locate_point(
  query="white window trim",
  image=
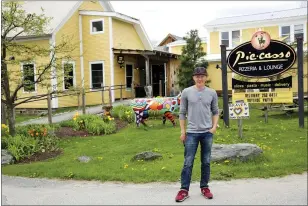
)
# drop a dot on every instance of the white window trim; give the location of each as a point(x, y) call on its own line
point(230, 33)
point(133, 67)
point(98, 32)
point(291, 31)
point(22, 72)
point(292, 39)
point(221, 39)
point(74, 73)
point(230, 37)
point(90, 70)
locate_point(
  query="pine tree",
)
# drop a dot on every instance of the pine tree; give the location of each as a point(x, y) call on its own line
point(190, 58)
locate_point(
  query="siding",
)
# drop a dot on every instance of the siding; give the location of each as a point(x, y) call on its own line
point(125, 36)
point(16, 75)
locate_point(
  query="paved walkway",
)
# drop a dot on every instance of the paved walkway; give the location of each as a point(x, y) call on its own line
point(289, 190)
point(69, 115)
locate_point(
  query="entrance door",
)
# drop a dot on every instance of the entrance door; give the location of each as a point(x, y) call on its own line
point(158, 73)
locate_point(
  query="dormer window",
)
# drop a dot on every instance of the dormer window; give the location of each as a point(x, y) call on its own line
point(97, 26)
point(230, 38)
point(285, 32)
point(298, 31)
point(225, 38)
point(292, 32)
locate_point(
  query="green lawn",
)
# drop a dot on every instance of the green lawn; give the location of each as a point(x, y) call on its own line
point(284, 145)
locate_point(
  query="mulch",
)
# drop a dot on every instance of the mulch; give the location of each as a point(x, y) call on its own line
point(120, 124)
point(40, 156)
point(65, 132)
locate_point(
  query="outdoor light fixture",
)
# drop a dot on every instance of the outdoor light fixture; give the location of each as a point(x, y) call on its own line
point(120, 61)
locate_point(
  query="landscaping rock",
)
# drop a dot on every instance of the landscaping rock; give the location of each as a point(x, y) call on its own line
point(147, 156)
point(85, 159)
point(6, 157)
point(242, 151)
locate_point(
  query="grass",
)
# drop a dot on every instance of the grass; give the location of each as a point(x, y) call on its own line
point(24, 117)
point(283, 142)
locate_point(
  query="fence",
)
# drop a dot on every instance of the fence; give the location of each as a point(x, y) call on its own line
point(79, 96)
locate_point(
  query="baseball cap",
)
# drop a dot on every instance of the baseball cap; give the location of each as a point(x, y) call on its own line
point(199, 71)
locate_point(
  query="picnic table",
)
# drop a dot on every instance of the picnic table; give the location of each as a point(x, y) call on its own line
point(288, 108)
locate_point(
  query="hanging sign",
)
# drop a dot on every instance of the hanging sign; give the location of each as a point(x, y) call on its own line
point(281, 83)
point(261, 57)
point(264, 97)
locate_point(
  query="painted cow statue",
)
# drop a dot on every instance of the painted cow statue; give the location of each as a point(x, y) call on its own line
point(166, 105)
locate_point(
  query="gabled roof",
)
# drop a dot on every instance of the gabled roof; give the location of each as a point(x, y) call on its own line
point(61, 11)
point(57, 10)
point(297, 12)
point(172, 36)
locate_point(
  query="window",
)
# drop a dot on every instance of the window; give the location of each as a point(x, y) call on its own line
point(291, 32)
point(96, 73)
point(129, 75)
point(97, 26)
point(225, 38)
point(286, 31)
point(236, 38)
point(69, 72)
point(29, 77)
point(298, 31)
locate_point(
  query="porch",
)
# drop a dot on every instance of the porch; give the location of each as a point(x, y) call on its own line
point(139, 68)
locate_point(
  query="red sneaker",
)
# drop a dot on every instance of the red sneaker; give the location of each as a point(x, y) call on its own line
point(206, 193)
point(181, 196)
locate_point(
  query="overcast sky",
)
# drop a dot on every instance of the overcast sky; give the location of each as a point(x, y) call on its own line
point(177, 17)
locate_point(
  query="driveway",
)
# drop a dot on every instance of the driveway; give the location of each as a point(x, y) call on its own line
point(289, 190)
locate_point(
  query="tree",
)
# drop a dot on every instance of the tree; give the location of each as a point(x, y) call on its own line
point(190, 58)
point(17, 23)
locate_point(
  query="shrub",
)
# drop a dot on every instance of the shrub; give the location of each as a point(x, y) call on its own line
point(43, 134)
point(94, 124)
point(67, 123)
point(4, 135)
point(21, 146)
point(36, 130)
point(124, 113)
point(4, 130)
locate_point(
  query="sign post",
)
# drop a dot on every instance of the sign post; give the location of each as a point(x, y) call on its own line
point(239, 111)
point(224, 84)
point(300, 81)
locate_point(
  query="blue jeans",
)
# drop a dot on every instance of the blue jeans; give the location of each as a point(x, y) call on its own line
point(191, 146)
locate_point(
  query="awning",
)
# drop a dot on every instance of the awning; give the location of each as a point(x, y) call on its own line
point(145, 52)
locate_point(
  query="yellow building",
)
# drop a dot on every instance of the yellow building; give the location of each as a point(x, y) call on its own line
point(232, 31)
point(101, 35)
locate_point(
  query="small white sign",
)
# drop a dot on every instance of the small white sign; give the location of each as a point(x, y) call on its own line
point(239, 110)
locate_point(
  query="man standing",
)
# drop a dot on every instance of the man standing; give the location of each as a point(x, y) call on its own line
point(200, 103)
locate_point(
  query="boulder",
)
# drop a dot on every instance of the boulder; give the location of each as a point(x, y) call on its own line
point(6, 157)
point(243, 151)
point(84, 159)
point(147, 156)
